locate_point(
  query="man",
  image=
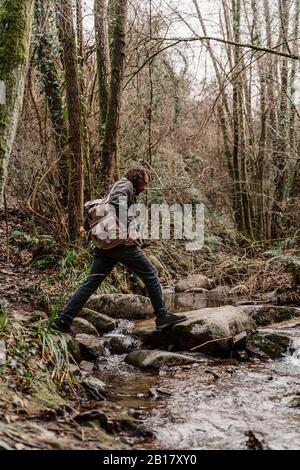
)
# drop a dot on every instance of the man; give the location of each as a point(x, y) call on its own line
point(129, 253)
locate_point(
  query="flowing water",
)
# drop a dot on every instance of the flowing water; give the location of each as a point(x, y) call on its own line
point(217, 404)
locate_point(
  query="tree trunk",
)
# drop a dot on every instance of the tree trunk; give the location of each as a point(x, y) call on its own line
point(280, 157)
point(83, 100)
point(109, 159)
point(68, 41)
point(103, 58)
point(15, 34)
point(45, 63)
point(294, 156)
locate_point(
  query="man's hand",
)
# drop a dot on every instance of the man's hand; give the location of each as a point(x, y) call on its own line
point(130, 241)
point(82, 232)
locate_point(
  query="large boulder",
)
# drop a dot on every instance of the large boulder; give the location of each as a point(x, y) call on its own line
point(80, 325)
point(214, 328)
point(155, 359)
point(91, 347)
point(193, 281)
point(103, 323)
point(128, 306)
point(267, 314)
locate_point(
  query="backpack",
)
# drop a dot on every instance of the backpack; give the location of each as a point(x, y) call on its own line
point(105, 230)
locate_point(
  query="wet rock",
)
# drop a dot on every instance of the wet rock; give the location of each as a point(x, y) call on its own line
point(2, 352)
point(294, 402)
point(253, 443)
point(193, 281)
point(95, 415)
point(114, 419)
point(74, 349)
point(155, 359)
point(269, 345)
point(94, 387)
point(103, 323)
point(158, 393)
point(215, 327)
point(267, 314)
point(90, 346)
point(86, 366)
point(75, 371)
point(80, 325)
point(128, 306)
point(122, 344)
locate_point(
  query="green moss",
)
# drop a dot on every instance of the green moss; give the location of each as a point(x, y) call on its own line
point(15, 31)
point(45, 392)
point(15, 22)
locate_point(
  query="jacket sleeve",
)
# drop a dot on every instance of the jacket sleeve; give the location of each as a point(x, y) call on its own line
point(121, 199)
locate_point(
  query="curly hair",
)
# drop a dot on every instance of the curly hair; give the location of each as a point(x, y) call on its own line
point(136, 174)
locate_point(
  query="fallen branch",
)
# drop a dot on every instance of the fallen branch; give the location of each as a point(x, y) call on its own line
point(212, 341)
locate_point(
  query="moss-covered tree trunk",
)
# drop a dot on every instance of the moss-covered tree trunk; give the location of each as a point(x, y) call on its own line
point(45, 62)
point(109, 158)
point(68, 41)
point(15, 34)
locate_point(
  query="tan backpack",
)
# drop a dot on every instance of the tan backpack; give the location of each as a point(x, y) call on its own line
point(105, 230)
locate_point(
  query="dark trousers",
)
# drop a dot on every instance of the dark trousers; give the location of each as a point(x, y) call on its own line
point(103, 262)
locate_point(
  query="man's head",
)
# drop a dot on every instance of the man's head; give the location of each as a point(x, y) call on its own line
point(139, 176)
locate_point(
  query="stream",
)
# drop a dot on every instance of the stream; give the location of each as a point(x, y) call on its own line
point(215, 404)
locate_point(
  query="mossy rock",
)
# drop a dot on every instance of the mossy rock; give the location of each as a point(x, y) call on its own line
point(39, 315)
point(212, 327)
point(127, 306)
point(91, 347)
point(266, 314)
point(122, 344)
point(155, 359)
point(80, 325)
point(103, 323)
point(192, 281)
point(270, 345)
point(46, 393)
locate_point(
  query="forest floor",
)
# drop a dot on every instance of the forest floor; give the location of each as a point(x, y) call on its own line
point(42, 405)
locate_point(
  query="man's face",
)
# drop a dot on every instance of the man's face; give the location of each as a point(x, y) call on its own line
point(143, 184)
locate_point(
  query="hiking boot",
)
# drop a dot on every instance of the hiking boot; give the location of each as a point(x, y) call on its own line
point(63, 327)
point(168, 319)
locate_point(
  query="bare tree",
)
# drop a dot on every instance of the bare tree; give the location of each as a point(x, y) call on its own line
point(68, 41)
